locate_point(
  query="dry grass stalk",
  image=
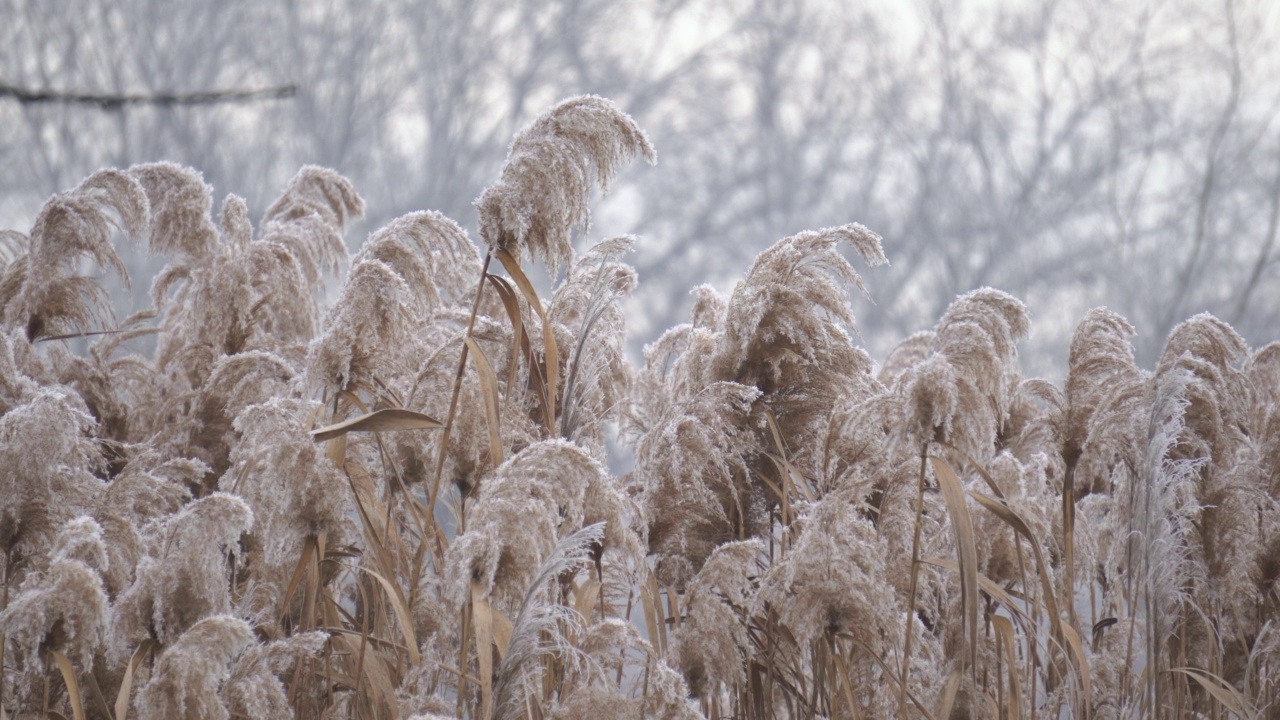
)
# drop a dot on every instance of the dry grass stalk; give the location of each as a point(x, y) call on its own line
point(263, 517)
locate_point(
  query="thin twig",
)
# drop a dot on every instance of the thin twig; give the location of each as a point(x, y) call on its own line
point(115, 101)
point(911, 593)
point(457, 388)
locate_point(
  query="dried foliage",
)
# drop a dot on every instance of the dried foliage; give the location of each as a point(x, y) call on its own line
point(545, 189)
point(40, 290)
point(396, 502)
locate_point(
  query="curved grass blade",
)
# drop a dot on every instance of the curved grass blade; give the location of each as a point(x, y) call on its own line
point(73, 687)
point(385, 419)
point(1222, 691)
point(550, 347)
point(953, 496)
point(489, 388)
point(518, 337)
point(126, 685)
point(402, 614)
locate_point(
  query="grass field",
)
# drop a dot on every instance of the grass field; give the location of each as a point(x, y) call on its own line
point(396, 502)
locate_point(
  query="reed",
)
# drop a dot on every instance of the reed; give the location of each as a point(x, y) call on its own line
point(395, 502)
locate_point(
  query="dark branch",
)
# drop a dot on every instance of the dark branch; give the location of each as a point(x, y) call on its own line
point(112, 101)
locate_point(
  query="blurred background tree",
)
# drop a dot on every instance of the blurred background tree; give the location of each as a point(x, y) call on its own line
point(1072, 152)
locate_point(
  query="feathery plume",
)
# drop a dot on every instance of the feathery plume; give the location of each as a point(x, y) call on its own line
point(1211, 351)
point(49, 457)
point(711, 643)
point(260, 294)
point(832, 579)
point(523, 510)
point(467, 456)
point(320, 192)
point(784, 321)
point(367, 333)
point(1100, 359)
point(62, 609)
point(190, 674)
point(294, 491)
point(1230, 489)
point(931, 400)
point(15, 386)
point(1025, 489)
point(12, 245)
point(709, 308)
point(858, 454)
point(183, 578)
point(978, 335)
point(656, 690)
point(152, 486)
point(1263, 371)
point(149, 488)
point(248, 295)
point(431, 252)
point(542, 628)
point(691, 467)
point(253, 688)
point(904, 356)
point(1163, 520)
point(544, 191)
point(181, 204)
point(676, 368)
point(597, 376)
point(1037, 422)
point(308, 220)
point(200, 426)
point(39, 291)
point(787, 333)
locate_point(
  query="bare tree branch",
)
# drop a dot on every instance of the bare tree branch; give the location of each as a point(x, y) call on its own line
point(113, 101)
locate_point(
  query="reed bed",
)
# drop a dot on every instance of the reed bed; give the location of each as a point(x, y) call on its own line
point(395, 502)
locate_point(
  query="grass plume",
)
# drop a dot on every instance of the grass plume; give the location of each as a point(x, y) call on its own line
point(378, 485)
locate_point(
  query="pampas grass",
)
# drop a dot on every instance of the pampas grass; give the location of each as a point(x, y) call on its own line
point(376, 486)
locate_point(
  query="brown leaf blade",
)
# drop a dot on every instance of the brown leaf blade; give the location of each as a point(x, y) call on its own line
point(1004, 630)
point(511, 304)
point(1223, 691)
point(378, 420)
point(550, 347)
point(403, 616)
point(126, 685)
point(953, 496)
point(482, 618)
point(1015, 521)
point(1072, 639)
point(948, 699)
point(489, 388)
point(73, 687)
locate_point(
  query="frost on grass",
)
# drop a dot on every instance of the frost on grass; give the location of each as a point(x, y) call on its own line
point(169, 517)
point(691, 466)
point(191, 673)
point(366, 330)
point(61, 609)
point(181, 204)
point(544, 191)
point(711, 643)
point(39, 290)
point(524, 510)
point(182, 577)
point(295, 494)
point(249, 293)
point(49, 459)
point(597, 374)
